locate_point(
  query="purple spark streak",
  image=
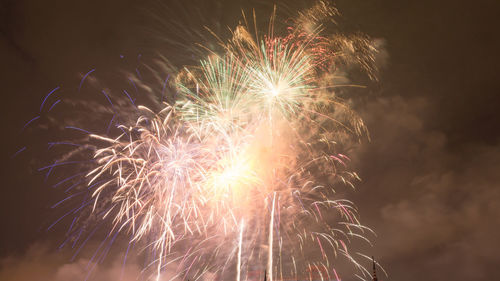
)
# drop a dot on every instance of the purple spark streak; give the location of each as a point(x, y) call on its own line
point(29, 122)
point(126, 93)
point(67, 179)
point(73, 186)
point(77, 238)
point(107, 97)
point(108, 247)
point(69, 197)
point(52, 144)
point(83, 79)
point(110, 123)
point(138, 73)
point(85, 242)
point(47, 96)
point(71, 226)
point(59, 219)
point(78, 129)
point(164, 86)
point(125, 260)
point(19, 151)
point(54, 104)
point(56, 164)
point(133, 83)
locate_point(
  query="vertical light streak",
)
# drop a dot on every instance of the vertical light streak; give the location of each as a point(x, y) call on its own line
point(270, 253)
point(240, 244)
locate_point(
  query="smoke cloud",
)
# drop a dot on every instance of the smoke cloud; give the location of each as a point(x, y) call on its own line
point(433, 205)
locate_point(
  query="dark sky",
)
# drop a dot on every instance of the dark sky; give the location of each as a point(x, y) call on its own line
point(430, 174)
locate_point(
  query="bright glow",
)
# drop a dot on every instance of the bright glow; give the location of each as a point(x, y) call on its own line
point(275, 91)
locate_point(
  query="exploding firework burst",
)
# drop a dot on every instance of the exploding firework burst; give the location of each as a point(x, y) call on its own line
point(239, 173)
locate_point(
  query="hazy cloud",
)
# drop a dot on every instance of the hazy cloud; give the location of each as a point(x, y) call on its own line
point(42, 262)
point(435, 208)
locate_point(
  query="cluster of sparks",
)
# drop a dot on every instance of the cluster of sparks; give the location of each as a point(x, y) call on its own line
point(239, 173)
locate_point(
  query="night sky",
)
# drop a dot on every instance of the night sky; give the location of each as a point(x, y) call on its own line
point(430, 174)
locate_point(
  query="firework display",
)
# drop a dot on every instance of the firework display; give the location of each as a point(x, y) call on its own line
point(239, 172)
